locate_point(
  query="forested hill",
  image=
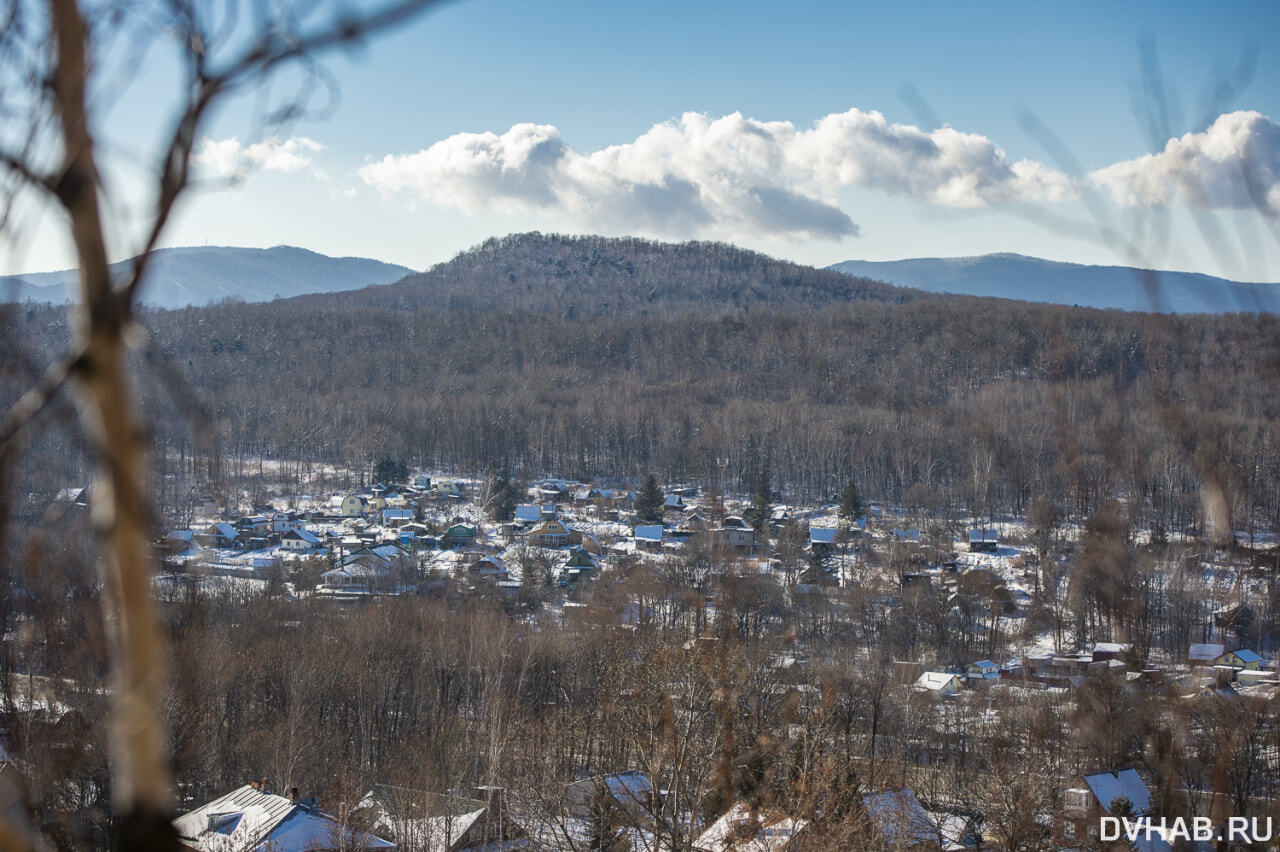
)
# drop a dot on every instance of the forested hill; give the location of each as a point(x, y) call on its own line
point(598, 276)
point(199, 275)
point(1033, 279)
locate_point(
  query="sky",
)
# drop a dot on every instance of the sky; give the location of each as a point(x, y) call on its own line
point(1135, 133)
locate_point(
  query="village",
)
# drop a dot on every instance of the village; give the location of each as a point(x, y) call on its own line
point(544, 549)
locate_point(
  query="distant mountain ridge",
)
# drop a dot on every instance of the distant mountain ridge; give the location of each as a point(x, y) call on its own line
point(1033, 279)
point(615, 276)
point(179, 277)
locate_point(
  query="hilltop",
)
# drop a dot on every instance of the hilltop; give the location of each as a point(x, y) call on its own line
point(180, 277)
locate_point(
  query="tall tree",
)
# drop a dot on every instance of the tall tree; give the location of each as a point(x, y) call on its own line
point(650, 501)
point(760, 511)
point(851, 505)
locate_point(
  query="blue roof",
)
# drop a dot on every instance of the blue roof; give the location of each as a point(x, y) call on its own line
point(528, 512)
point(822, 535)
point(649, 533)
point(1247, 656)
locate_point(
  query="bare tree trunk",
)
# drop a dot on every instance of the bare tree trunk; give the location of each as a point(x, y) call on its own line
point(141, 782)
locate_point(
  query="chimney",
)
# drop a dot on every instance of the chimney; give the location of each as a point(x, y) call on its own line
point(293, 794)
point(263, 786)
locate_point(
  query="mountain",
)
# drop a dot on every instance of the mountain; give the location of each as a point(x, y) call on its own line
point(197, 276)
point(1015, 276)
point(606, 276)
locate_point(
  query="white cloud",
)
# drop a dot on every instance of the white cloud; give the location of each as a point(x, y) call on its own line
point(726, 177)
point(1235, 163)
point(230, 159)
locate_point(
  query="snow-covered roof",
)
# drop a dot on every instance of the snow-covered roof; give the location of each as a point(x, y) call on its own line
point(528, 512)
point(740, 830)
point(984, 535)
point(822, 535)
point(1126, 783)
point(246, 819)
point(650, 532)
point(935, 681)
point(900, 818)
point(305, 535)
point(1206, 652)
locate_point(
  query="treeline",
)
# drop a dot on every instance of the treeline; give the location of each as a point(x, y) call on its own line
point(944, 403)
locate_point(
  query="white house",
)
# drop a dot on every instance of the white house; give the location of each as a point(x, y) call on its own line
point(249, 818)
point(746, 829)
point(939, 683)
point(299, 540)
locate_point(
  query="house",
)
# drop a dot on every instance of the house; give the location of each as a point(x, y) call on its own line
point(579, 564)
point(439, 822)
point(528, 513)
point(1256, 677)
point(282, 522)
point(734, 536)
point(941, 684)
point(487, 568)
point(353, 505)
point(910, 536)
point(983, 541)
point(1205, 654)
point(673, 503)
point(366, 569)
point(1120, 793)
point(250, 818)
point(1239, 659)
point(422, 482)
point(746, 829)
point(550, 534)
point(900, 821)
point(178, 541)
point(631, 794)
point(649, 537)
point(1103, 651)
point(458, 535)
point(219, 535)
point(299, 540)
point(982, 670)
point(822, 540)
point(447, 488)
point(396, 517)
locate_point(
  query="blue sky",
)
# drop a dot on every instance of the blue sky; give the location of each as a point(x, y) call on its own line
point(814, 135)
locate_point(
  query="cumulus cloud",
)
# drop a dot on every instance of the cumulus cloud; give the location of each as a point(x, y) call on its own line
point(1235, 163)
point(230, 159)
point(724, 177)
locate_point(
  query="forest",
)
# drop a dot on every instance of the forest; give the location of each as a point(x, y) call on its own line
point(1149, 438)
point(933, 402)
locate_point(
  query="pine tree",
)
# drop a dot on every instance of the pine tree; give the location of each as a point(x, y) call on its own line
point(760, 511)
point(851, 505)
point(650, 502)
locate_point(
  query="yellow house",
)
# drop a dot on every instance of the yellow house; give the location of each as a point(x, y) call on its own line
point(550, 534)
point(352, 505)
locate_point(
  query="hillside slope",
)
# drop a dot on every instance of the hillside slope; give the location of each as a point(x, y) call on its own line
point(1015, 276)
point(598, 276)
point(200, 275)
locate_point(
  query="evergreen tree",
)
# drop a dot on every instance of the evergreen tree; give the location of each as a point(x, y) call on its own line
point(503, 498)
point(390, 471)
point(851, 505)
point(760, 511)
point(650, 502)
